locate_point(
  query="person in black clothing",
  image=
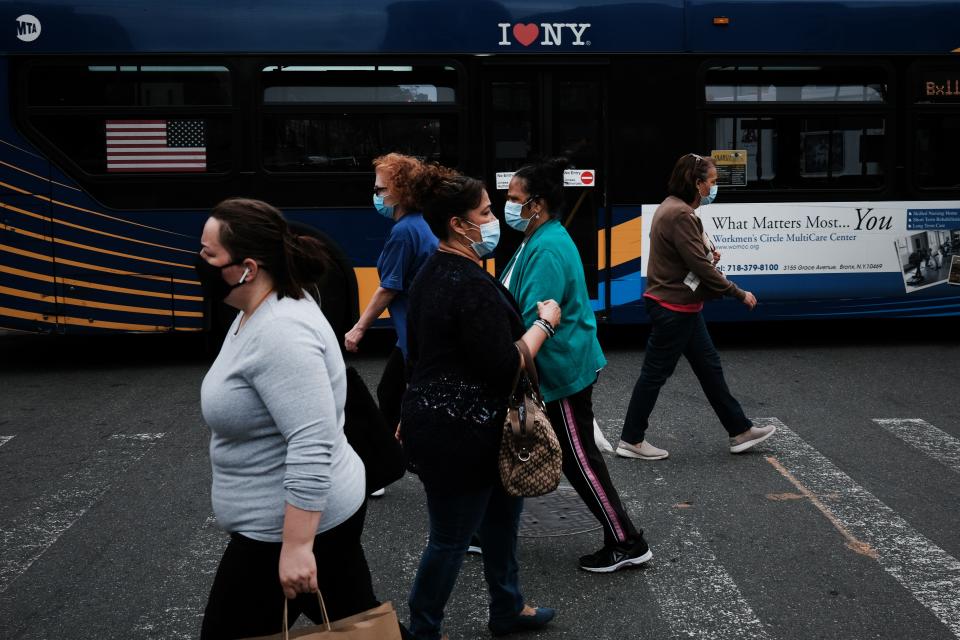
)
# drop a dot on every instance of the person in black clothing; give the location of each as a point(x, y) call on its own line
point(461, 327)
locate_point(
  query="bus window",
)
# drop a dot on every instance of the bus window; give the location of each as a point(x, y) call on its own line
point(937, 142)
point(350, 143)
point(792, 152)
point(936, 127)
point(337, 118)
point(326, 84)
point(132, 85)
point(758, 136)
point(115, 117)
point(806, 84)
point(839, 141)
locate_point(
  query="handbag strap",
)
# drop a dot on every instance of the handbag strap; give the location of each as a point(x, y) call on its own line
point(323, 610)
point(528, 363)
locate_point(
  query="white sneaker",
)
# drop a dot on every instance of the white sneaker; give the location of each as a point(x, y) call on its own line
point(642, 451)
point(602, 443)
point(379, 493)
point(750, 437)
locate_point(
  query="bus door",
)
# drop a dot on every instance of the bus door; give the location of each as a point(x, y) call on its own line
point(27, 291)
point(546, 111)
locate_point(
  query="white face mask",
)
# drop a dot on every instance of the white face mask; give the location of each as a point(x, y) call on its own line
point(512, 213)
point(489, 237)
point(710, 197)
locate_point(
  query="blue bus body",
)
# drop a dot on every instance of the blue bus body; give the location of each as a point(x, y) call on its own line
point(84, 248)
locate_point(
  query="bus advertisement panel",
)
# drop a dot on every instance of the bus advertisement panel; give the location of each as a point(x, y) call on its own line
point(852, 250)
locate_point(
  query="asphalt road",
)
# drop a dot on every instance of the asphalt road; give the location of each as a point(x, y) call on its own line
point(844, 525)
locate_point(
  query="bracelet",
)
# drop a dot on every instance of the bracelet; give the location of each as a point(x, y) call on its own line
point(545, 326)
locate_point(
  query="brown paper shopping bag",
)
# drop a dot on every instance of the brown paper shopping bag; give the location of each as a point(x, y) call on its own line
point(379, 623)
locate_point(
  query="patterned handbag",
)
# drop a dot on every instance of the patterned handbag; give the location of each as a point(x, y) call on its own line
point(530, 455)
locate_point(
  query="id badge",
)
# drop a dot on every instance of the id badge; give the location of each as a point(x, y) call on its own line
point(692, 281)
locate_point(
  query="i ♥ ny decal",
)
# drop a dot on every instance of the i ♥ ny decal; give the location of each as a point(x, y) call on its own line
point(545, 34)
point(526, 33)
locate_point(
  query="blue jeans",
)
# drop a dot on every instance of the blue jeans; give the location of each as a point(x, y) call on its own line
point(453, 520)
point(675, 334)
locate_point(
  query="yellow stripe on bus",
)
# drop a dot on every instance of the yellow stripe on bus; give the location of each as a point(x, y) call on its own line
point(96, 213)
point(94, 285)
point(602, 249)
point(93, 267)
point(625, 241)
point(86, 247)
point(82, 322)
point(33, 214)
point(39, 177)
point(32, 295)
point(368, 281)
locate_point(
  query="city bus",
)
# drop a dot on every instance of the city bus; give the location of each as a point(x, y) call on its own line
point(835, 127)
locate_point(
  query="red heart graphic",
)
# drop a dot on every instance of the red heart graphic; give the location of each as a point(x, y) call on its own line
point(526, 33)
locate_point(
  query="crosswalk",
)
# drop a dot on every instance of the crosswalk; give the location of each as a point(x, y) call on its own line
point(696, 594)
point(922, 435)
point(925, 570)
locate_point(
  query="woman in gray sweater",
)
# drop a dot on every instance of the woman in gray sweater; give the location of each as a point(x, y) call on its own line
point(286, 484)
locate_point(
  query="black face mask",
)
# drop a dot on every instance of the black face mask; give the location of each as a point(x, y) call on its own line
point(212, 282)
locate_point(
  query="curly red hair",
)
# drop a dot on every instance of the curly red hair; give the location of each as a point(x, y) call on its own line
point(401, 173)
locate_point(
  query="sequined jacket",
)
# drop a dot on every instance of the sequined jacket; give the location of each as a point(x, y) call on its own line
point(461, 326)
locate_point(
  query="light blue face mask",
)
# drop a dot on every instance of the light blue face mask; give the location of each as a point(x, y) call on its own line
point(386, 210)
point(710, 197)
point(489, 237)
point(512, 214)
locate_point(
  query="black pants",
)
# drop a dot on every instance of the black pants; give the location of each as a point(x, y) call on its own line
point(246, 599)
point(393, 384)
point(676, 334)
point(584, 468)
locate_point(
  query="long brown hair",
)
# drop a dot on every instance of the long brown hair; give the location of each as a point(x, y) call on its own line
point(257, 230)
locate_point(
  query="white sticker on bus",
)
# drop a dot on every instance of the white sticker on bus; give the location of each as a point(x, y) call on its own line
point(579, 178)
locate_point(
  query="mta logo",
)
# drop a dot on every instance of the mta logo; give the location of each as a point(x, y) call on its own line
point(28, 28)
point(554, 33)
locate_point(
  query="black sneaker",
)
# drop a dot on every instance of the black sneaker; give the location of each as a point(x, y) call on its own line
point(609, 559)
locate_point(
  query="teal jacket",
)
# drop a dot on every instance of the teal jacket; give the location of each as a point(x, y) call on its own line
point(548, 266)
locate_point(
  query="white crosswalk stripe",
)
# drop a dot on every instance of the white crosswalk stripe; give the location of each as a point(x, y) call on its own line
point(922, 435)
point(697, 596)
point(5, 439)
point(928, 572)
point(48, 517)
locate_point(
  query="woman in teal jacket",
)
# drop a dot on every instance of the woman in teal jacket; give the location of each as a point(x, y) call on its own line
point(547, 266)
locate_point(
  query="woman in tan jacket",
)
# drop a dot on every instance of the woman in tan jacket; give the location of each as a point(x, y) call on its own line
point(681, 275)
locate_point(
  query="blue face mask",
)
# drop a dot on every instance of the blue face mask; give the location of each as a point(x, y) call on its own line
point(489, 237)
point(386, 210)
point(512, 214)
point(710, 197)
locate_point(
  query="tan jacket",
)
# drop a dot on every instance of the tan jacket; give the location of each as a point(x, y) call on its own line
point(680, 268)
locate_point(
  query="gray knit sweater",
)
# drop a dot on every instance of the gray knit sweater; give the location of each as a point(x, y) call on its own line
point(274, 402)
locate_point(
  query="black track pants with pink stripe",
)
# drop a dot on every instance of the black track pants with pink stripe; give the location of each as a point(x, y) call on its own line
point(584, 468)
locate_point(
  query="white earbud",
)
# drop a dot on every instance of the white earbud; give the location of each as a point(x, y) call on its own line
point(243, 278)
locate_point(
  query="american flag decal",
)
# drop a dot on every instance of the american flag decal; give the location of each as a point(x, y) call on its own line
point(156, 145)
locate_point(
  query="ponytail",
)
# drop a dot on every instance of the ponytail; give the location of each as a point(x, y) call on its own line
point(256, 230)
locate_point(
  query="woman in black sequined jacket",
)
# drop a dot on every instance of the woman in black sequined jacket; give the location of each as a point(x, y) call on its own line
point(461, 328)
